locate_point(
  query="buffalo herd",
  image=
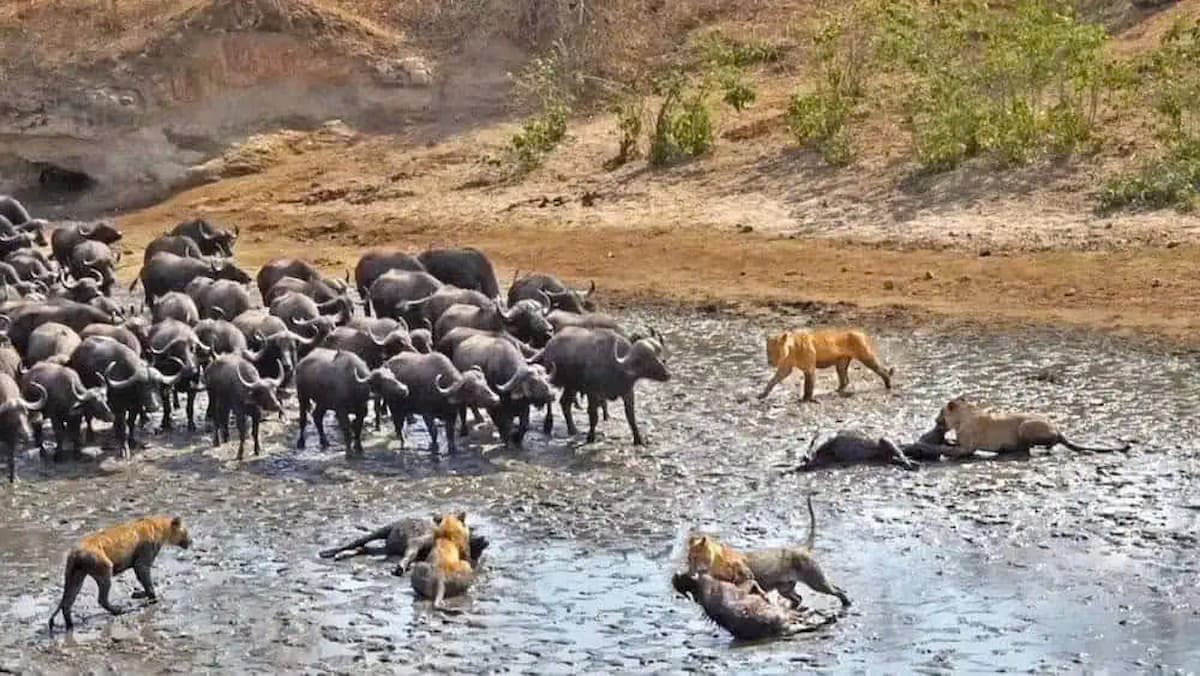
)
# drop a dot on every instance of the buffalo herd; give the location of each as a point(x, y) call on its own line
point(416, 338)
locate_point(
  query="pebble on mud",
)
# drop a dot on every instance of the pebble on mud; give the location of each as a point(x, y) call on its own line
point(889, 285)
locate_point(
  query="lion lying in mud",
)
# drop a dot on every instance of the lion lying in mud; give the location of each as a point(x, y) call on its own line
point(977, 429)
point(808, 351)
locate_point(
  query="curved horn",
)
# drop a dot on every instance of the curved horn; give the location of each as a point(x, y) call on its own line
point(86, 229)
point(34, 405)
point(171, 343)
point(446, 391)
point(95, 274)
point(512, 382)
point(274, 383)
point(7, 321)
point(69, 286)
point(237, 231)
point(78, 394)
point(245, 382)
point(379, 342)
point(591, 289)
point(360, 380)
point(306, 342)
point(118, 384)
point(617, 353)
point(8, 239)
point(164, 379)
point(216, 312)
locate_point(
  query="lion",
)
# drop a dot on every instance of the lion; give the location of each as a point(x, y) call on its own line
point(809, 351)
point(722, 562)
point(977, 429)
point(448, 571)
point(114, 550)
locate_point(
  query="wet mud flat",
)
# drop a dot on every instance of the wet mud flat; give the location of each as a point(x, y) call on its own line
point(1060, 563)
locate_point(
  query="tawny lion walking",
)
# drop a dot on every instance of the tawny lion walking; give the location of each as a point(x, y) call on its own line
point(809, 351)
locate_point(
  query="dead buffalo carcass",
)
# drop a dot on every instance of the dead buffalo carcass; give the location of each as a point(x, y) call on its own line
point(338, 381)
point(602, 365)
point(235, 387)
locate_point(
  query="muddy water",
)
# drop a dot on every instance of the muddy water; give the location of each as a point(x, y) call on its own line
point(1058, 563)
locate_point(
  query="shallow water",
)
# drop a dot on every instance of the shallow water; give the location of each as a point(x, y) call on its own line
point(1059, 563)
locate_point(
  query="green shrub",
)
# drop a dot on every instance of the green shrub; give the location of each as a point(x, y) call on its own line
point(738, 92)
point(541, 85)
point(720, 50)
point(1170, 81)
point(683, 126)
point(1170, 182)
point(1014, 82)
point(821, 119)
point(630, 112)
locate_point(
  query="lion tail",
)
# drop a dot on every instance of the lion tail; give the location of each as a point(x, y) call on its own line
point(1093, 449)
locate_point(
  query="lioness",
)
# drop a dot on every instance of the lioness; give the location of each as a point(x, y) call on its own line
point(809, 351)
point(448, 571)
point(977, 429)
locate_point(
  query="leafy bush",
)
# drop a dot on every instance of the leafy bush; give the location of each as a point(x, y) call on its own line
point(683, 126)
point(1014, 82)
point(722, 51)
point(1171, 81)
point(739, 93)
point(821, 119)
point(542, 85)
point(630, 113)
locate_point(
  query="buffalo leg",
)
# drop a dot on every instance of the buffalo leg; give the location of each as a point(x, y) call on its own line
point(74, 426)
point(36, 428)
point(239, 418)
point(191, 409)
point(462, 415)
point(343, 419)
point(567, 401)
point(448, 423)
point(632, 418)
point(522, 424)
point(255, 419)
point(593, 409)
point(604, 410)
point(548, 421)
point(319, 423)
point(431, 427)
point(12, 463)
point(168, 407)
point(359, 420)
point(304, 404)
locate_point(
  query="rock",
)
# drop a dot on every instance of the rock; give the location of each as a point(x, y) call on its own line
point(411, 71)
point(985, 253)
point(1070, 292)
point(929, 275)
point(745, 229)
point(889, 285)
point(1156, 283)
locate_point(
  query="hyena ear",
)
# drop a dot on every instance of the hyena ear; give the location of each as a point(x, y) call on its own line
point(176, 523)
point(462, 516)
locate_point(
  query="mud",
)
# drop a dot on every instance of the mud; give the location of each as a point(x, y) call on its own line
point(1061, 562)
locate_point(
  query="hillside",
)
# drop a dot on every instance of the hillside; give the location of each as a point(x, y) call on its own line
point(423, 159)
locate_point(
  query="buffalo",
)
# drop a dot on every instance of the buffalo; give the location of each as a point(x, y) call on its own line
point(526, 320)
point(67, 403)
point(168, 272)
point(179, 245)
point(235, 386)
point(373, 264)
point(211, 240)
point(519, 384)
point(64, 239)
point(219, 298)
point(436, 391)
point(340, 381)
point(391, 292)
point(51, 342)
point(466, 268)
point(133, 386)
point(550, 291)
point(176, 305)
point(602, 365)
point(14, 420)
